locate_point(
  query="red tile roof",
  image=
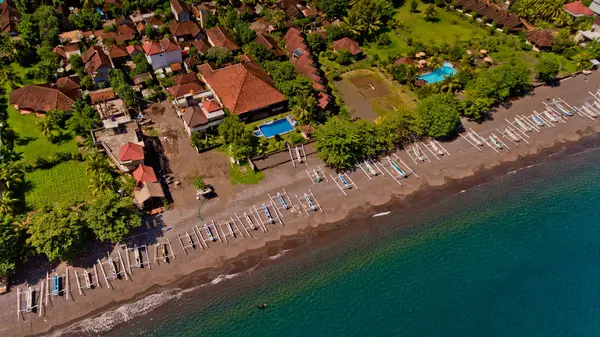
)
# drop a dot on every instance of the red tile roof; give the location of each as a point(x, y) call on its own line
point(185, 78)
point(102, 95)
point(269, 43)
point(347, 44)
point(194, 116)
point(184, 28)
point(323, 100)
point(68, 83)
point(202, 46)
point(63, 50)
point(144, 173)
point(175, 67)
point(179, 6)
point(134, 48)
point(218, 36)
point(153, 48)
point(211, 106)
point(9, 17)
point(179, 90)
point(577, 8)
point(131, 151)
point(115, 51)
point(40, 98)
point(242, 87)
point(94, 59)
point(541, 38)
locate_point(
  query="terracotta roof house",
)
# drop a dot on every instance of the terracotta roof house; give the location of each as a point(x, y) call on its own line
point(162, 53)
point(144, 173)
point(491, 11)
point(141, 78)
point(69, 86)
point(269, 43)
point(40, 99)
point(9, 17)
point(347, 44)
point(202, 46)
point(203, 117)
point(66, 51)
point(245, 89)
point(118, 54)
point(291, 8)
point(131, 152)
point(218, 36)
point(73, 36)
point(149, 194)
point(185, 84)
point(185, 31)
point(191, 63)
point(180, 10)
point(540, 39)
point(101, 95)
point(132, 50)
point(97, 64)
point(578, 9)
point(323, 101)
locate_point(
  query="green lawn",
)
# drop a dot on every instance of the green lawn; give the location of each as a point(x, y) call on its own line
point(65, 182)
point(30, 142)
point(450, 28)
point(244, 174)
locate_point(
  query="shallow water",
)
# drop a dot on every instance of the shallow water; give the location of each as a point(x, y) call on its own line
point(519, 256)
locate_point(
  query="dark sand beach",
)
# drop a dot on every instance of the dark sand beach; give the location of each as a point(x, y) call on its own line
point(464, 168)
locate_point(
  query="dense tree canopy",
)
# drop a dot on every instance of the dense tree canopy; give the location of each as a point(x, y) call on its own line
point(57, 232)
point(219, 55)
point(118, 82)
point(87, 18)
point(499, 83)
point(112, 217)
point(438, 115)
point(333, 9)
point(10, 243)
point(341, 143)
point(547, 68)
point(242, 142)
point(41, 27)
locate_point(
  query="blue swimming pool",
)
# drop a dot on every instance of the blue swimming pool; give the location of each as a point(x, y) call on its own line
point(439, 74)
point(277, 127)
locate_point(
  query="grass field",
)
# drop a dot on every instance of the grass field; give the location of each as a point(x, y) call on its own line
point(428, 33)
point(244, 174)
point(65, 182)
point(450, 28)
point(381, 93)
point(30, 142)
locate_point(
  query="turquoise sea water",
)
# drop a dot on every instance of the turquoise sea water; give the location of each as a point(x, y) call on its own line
point(518, 256)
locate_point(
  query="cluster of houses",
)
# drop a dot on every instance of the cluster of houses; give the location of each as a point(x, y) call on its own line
point(200, 92)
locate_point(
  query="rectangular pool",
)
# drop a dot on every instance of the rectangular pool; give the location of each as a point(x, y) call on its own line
point(277, 127)
point(439, 74)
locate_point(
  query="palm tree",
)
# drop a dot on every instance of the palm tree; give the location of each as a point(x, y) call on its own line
point(354, 23)
point(95, 164)
point(583, 59)
point(8, 203)
point(304, 109)
point(10, 176)
point(101, 182)
point(45, 126)
point(435, 62)
point(451, 84)
point(9, 77)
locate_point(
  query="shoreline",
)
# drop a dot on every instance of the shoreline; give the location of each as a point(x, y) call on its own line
point(421, 199)
point(467, 167)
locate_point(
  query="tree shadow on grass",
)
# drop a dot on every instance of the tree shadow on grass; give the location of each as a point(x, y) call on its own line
point(22, 141)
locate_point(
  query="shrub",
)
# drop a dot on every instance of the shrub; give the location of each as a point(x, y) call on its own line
point(199, 183)
point(383, 40)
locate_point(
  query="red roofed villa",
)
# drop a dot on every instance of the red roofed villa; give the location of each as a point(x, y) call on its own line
point(144, 173)
point(578, 9)
point(347, 44)
point(161, 54)
point(245, 89)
